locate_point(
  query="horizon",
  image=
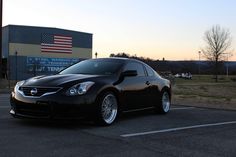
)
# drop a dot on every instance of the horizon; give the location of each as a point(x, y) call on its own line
point(167, 29)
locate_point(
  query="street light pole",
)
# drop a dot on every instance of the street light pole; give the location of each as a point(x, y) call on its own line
point(16, 53)
point(96, 55)
point(227, 64)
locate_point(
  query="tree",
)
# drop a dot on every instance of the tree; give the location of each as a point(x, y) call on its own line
point(218, 41)
point(122, 54)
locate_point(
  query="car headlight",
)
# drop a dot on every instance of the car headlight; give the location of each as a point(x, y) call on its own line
point(18, 84)
point(79, 89)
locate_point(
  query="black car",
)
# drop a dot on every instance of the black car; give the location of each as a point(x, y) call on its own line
point(98, 88)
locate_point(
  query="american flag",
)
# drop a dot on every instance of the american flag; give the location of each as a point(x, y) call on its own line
point(56, 44)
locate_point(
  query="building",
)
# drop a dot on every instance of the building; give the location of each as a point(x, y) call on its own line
point(29, 51)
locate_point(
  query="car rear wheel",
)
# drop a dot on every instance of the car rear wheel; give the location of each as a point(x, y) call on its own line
point(164, 103)
point(107, 109)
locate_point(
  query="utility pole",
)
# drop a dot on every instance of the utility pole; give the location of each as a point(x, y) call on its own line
point(227, 65)
point(1, 3)
point(199, 59)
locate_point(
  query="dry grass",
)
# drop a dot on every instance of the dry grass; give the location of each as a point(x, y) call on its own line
point(202, 91)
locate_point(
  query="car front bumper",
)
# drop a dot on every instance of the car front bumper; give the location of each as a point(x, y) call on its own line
point(54, 106)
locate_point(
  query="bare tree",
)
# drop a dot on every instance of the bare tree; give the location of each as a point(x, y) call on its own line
point(218, 41)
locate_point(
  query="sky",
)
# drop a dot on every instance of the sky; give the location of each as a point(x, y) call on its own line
point(170, 29)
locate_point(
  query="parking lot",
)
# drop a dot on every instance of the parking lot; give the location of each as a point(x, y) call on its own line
point(185, 131)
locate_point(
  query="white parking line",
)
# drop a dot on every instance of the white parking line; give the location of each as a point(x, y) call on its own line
point(177, 129)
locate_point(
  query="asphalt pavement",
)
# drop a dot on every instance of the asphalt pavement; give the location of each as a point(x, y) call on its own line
point(184, 131)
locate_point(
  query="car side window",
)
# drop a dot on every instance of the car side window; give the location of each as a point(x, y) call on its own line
point(135, 66)
point(150, 72)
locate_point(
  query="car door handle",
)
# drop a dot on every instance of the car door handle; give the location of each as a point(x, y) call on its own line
point(148, 83)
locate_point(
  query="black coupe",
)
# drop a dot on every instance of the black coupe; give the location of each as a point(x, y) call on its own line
point(98, 88)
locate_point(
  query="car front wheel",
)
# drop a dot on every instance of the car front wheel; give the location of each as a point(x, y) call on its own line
point(107, 109)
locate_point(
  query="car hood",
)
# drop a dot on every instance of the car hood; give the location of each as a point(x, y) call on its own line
point(59, 80)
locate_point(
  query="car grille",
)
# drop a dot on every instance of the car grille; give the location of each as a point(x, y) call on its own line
point(46, 109)
point(39, 109)
point(40, 90)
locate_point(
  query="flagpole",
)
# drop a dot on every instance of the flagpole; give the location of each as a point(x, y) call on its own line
point(1, 3)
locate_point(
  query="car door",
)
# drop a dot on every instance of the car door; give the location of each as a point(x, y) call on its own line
point(153, 92)
point(134, 88)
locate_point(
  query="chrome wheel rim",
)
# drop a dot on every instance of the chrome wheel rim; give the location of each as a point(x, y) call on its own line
point(109, 108)
point(165, 102)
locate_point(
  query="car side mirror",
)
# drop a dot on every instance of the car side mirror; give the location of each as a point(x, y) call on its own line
point(129, 73)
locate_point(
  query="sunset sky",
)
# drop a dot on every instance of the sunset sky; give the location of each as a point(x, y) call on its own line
point(172, 29)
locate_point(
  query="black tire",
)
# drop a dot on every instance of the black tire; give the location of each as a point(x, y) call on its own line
point(164, 103)
point(107, 109)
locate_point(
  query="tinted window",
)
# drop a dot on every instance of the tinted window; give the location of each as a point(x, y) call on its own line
point(135, 66)
point(93, 67)
point(149, 70)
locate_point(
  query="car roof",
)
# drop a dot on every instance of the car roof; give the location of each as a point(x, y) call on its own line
point(119, 59)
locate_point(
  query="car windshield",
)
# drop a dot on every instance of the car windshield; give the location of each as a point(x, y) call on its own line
point(93, 67)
